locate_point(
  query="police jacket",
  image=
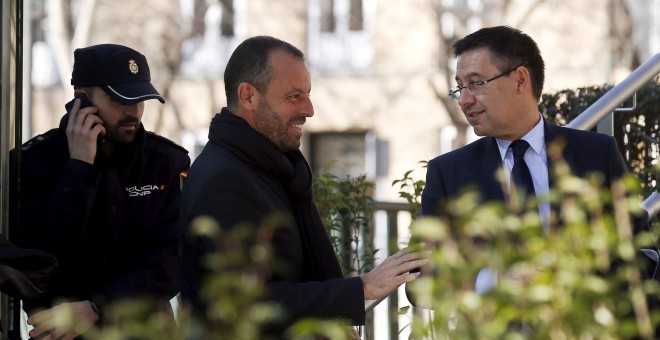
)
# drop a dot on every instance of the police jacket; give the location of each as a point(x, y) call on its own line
point(113, 225)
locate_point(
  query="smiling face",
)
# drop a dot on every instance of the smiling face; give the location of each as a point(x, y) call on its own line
point(280, 113)
point(121, 122)
point(504, 108)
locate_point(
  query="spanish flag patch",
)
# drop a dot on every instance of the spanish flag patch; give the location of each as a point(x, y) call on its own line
point(182, 178)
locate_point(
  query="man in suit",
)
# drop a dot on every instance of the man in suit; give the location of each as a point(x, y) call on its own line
point(500, 75)
point(251, 172)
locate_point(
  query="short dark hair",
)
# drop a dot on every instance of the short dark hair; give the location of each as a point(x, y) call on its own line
point(509, 47)
point(249, 63)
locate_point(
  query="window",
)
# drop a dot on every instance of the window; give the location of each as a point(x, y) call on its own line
point(339, 36)
point(355, 16)
point(343, 152)
point(348, 154)
point(214, 29)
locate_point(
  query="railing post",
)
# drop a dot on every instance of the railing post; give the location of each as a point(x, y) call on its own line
point(391, 210)
point(606, 125)
point(392, 247)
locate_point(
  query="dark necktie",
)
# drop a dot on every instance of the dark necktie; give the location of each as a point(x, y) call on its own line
point(520, 174)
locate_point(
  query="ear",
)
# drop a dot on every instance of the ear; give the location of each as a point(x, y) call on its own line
point(247, 97)
point(522, 79)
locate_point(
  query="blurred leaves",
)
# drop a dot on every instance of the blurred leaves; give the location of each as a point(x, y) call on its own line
point(581, 280)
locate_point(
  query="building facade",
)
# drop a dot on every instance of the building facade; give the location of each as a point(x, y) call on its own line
point(380, 67)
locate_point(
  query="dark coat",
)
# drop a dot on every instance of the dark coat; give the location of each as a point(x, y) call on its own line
point(113, 226)
point(236, 190)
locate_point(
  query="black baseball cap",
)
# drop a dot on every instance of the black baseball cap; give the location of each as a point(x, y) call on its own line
point(122, 72)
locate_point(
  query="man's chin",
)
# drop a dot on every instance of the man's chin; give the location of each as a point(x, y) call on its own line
point(122, 138)
point(288, 147)
point(479, 131)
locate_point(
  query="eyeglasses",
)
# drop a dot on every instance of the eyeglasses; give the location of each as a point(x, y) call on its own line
point(476, 87)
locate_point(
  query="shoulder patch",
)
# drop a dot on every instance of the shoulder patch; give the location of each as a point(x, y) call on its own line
point(166, 141)
point(35, 141)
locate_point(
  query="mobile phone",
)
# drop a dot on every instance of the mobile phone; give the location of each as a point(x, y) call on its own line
point(84, 102)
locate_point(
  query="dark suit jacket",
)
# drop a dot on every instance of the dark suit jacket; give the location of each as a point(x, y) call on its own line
point(474, 166)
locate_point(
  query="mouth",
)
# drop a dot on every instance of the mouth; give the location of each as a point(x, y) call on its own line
point(473, 116)
point(297, 124)
point(296, 130)
point(128, 127)
point(128, 123)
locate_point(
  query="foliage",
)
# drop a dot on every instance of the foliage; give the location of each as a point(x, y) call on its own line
point(345, 206)
point(236, 284)
point(579, 281)
point(411, 190)
point(234, 291)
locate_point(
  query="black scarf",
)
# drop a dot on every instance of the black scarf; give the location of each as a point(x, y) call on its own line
point(292, 170)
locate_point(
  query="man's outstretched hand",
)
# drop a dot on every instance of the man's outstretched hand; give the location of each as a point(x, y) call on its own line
point(392, 273)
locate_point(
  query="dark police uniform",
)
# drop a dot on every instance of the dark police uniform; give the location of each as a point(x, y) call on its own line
point(113, 225)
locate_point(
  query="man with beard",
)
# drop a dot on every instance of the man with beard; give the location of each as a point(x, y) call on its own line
point(102, 195)
point(251, 173)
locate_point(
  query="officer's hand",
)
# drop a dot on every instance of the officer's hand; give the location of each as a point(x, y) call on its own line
point(64, 321)
point(82, 131)
point(392, 273)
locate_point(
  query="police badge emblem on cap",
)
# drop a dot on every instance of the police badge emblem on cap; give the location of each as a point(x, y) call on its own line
point(133, 66)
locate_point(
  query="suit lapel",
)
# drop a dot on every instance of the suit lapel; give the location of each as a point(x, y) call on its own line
point(553, 134)
point(484, 166)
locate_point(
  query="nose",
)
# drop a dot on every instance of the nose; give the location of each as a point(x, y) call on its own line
point(307, 108)
point(466, 98)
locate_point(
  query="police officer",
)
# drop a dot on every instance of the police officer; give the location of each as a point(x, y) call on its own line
point(102, 195)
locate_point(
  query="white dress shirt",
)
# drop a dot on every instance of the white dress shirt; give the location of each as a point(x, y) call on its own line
point(537, 162)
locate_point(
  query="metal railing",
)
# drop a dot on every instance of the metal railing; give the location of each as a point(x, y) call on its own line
point(611, 100)
point(617, 95)
point(391, 211)
point(652, 205)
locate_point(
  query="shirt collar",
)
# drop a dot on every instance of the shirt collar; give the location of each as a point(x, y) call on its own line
point(535, 137)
